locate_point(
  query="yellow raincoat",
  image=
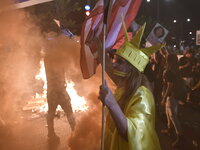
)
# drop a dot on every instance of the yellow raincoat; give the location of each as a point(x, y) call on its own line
point(140, 115)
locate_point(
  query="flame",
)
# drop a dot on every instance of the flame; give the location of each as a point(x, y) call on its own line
point(78, 103)
point(42, 76)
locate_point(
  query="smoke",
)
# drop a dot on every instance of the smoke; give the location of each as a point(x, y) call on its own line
point(20, 42)
point(87, 133)
point(20, 46)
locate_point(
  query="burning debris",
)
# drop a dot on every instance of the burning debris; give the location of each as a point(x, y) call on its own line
point(38, 103)
point(20, 66)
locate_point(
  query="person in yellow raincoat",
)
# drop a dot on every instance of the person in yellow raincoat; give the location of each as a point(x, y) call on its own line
point(130, 124)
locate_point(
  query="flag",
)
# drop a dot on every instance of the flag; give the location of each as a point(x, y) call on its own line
point(93, 26)
point(135, 27)
point(65, 31)
point(27, 3)
point(121, 41)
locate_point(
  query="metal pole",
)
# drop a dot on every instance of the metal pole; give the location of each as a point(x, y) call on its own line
point(103, 70)
point(107, 8)
point(103, 83)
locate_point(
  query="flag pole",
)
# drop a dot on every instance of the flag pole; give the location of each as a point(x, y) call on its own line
point(103, 68)
point(107, 8)
point(103, 80)
point(103, 83)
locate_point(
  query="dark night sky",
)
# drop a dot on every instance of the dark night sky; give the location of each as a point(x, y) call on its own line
point(180, 9)
point(175, 9)
point(168, 11)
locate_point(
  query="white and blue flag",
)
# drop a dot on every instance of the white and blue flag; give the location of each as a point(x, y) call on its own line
point(27, 3)
point(65, 31)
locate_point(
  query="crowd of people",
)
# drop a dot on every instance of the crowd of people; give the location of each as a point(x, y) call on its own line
point(188, 65)
point(175, 78)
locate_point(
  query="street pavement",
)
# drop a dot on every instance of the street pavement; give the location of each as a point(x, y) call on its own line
point(190, 123)
point(29, 132)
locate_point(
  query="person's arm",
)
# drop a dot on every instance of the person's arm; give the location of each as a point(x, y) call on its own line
point(118, 116)
point(184, 66)
point(196, 86)
point(167, 92)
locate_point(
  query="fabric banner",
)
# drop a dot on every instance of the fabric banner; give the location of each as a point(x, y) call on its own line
point(93, 26)
point(27, 3)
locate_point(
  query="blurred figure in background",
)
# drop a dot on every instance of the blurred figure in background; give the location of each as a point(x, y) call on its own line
point(160, 59)
point(171, 76)
point(185, 65)
point(56, 87)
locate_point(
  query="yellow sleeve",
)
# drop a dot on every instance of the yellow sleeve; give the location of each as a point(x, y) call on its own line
point(196, 86)
point(140, 123)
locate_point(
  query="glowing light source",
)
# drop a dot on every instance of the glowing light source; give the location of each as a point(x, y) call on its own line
point(188, 20)
point(87, 13)
point(87, 7)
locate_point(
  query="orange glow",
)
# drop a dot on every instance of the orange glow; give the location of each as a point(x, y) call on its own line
point(42, 76)
point(78, 103)
point(39, 101)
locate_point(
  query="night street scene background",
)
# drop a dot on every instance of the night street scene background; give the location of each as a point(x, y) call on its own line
point(53, 27)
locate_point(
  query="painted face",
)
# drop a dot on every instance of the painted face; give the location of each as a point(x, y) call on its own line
point(121, 67)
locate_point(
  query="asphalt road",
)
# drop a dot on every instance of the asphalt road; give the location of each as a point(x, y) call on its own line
point(29, 132)
point(190, 123)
